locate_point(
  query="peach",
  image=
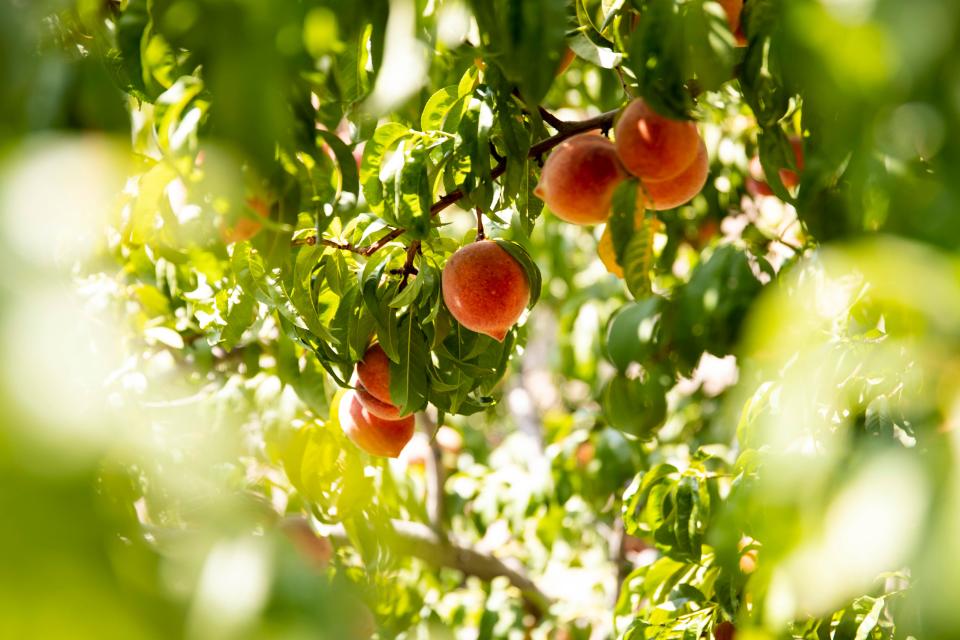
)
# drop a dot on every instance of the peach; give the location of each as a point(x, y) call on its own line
point(673, 192)
point(376, 436)
point(725, 631)
point(372, 381)
point(733, 9)
point(579, 178)
point(373, 372)
point(653, 147)
point(377, 407)
point(485, 288)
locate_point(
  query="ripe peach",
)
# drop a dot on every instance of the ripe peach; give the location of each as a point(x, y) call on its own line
point(376, 436)
point(579, 178)
point(485, 288)
point(373, 372)
point(673, 192)
point(375, 406)
point(734, 8)
point(653, 147)
point(724, 631)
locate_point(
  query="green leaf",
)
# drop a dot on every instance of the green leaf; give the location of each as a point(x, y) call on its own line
point(130, 29)
point(709, 310)
point(637, 497)
point(409, 380)
point(252, 275)
point(623, 217)
point(878, 418)
point(526, 39)
point(534, 279)
point(384, 140)
point(301, 289)
point(407, 195)
point(474, 132)
point(634, 406)
point(633, 334)
point(241, 315)
point(350, 70)
point(686, 525)
point(871, 620)
point(348, 191)
point(601, 55)
point(637, 260)
point(143, 223)
point(376, 302)
point(438, 106)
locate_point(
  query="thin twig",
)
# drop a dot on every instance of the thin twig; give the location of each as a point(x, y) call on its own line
point(420, 541)
point(604, 122)
point(312, 240)
point(553, 121)
point(408, 267)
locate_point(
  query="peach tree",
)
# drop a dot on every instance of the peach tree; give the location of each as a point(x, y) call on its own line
point(383, 363)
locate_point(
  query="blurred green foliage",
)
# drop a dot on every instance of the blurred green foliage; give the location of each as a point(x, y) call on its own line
point(209, 208)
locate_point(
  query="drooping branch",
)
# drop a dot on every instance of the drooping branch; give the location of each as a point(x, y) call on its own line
point(565, 130)
point(422, 542)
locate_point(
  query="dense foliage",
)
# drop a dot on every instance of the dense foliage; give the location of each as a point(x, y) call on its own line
point(212, 208)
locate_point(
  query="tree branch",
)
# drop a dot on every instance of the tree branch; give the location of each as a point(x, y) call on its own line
point(408, 267)
point(568, 129)
point(420, 541)
point(435, 478)
point(553, 121)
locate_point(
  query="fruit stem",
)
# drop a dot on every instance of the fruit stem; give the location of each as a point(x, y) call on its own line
point(480, 233)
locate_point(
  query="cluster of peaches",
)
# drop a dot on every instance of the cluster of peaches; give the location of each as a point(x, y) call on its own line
point(486, 290)
point(666, 156)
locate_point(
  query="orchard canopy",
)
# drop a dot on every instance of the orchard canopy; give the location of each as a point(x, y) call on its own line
point(479, 319)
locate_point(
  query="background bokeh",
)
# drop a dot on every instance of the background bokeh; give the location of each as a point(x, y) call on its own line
point(169, 466)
